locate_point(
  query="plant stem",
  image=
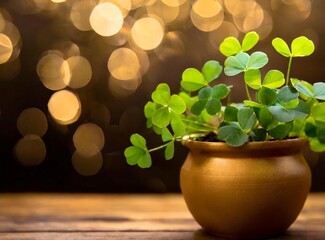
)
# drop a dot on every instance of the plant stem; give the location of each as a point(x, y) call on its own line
point(247, 92)
point(159, 147)
point(288, 71)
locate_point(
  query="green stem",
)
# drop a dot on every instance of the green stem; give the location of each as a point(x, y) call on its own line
point(199, 123)
point(288, 71)
point(247, 92)
point(160, 147)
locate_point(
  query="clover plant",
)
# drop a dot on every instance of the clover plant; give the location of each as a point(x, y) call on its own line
point(282, 107)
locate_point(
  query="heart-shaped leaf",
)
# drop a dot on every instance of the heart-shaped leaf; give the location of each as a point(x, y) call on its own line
point(192, 80)
point(230, 46)
point(176, 104)
point(319, 90)
point(318, 112)
point(252, 78)
point(281, 114)
point(273, 79)
point(281, 47)
point(249, 41)
point(137, 140)
point(232, 135)
point(266, 96)
point(246, 118)
point(169, 151)
point(302, 46)
point(280, 131)
point(166, 135)
point(133, 154)
point(211, 70)
point(257, 60)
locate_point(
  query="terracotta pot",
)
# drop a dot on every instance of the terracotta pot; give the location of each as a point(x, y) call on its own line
point(253, 191)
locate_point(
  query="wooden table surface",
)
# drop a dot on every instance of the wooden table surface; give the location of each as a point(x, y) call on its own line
point(126, 216)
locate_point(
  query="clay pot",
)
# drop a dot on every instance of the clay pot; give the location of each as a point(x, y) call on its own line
point(250, 192)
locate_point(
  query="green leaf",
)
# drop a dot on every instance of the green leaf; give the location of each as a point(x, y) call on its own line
point(162, 94)
point(198, 107)
point(149, 109)
point(161, 117)
point(302, 46)
point(246, 118)
point(249, 41)
point(266, 96)
point(145, 161)
point(320, 131)
point(169, 151)
point(213, 106)
point(166, 135)
point(304, 90)
point(234, 66)
point(230, 114)
point(281, 131)
point(220, 91)
point(258, 134)
point(177, 104)
point(257, 60)
point(192, 80)
point(287, 94)
point(316, 146)
point(232, 135)
point(310, 129)
point(281, 114)
point(137, 140)
point(205, 93)
point(248, 103)
point(265, 117)
point(281, 47)
point(230, 46)
point(253, 78)
point(318, 112)
point(273, 79)
point(133, 154)
point(177, 125)
point(319, 90)
point(302, 110)
point(211, 70)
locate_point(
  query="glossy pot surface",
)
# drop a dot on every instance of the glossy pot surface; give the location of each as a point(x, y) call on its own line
point(250, 192)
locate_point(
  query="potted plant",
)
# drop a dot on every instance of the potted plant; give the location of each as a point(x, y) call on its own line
point(245, 175)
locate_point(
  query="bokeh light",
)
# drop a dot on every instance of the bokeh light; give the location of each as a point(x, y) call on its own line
point(123, 64)
point(147, 33)
point(89, 164)
point(124, 5)
point(65, 107)
point(106, 19)
point(174, 3)
point(30, 150)
point(86, 137)
point(53, 71)
point(32, 121)
point(6, 48)
point(207, 15)
point(166, 12)
point(80, 72)
point(80, 13)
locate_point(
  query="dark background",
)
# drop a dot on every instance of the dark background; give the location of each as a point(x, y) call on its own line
point(23, 89)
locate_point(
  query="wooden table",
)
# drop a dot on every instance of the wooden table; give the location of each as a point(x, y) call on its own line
point(100, 216)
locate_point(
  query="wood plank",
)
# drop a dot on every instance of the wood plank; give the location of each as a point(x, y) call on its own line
point(100, 216)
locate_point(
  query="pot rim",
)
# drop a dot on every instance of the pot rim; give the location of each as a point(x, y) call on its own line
point(290, 143)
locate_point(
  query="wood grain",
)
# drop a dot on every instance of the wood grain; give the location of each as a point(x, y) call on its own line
point(126, 216)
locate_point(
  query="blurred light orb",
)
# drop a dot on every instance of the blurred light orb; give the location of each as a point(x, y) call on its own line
point(171, 46)
point(226, 29)
point(86, 137)
point(6, 48)
point(65, 107)
point(106, 19)
point(80, 72)
point(123, 64)
point(30, 150)
point(32, 121)
point(252, 19)
point(147, 33)
point(58, 1)
point(207, 15)
point(167, 13)
point(80, 13)
point(87, 165)
point(123, 5)
point(53, 71)
point(174, 3)
point(123, 88)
